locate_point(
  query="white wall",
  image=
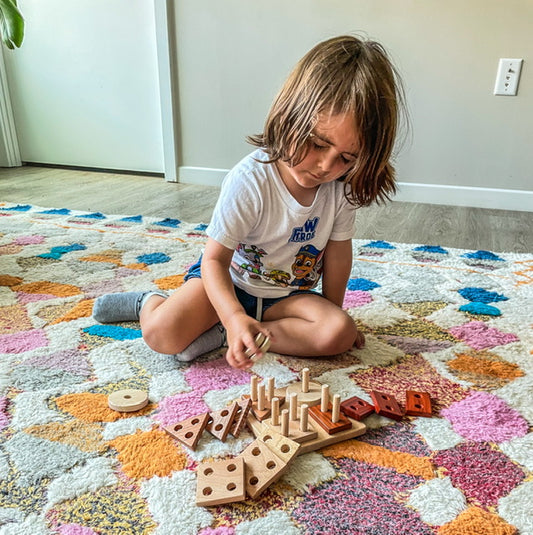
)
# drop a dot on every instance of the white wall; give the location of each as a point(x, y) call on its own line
point(468, 146)
point(84, 85)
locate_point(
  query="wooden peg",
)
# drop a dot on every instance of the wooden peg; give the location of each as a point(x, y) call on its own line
point(285, 422)
point(304, 418)
point(274, 411)
point(324, 399)
point(335, 410)
point(254, 381)
point(305, 380)
point(270, 388)
point(261, 398)
point(293, 407)
point(325, 420)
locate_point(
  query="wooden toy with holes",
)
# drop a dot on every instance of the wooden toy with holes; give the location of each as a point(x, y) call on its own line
point(309, 392)
point(128, 400)
point(417, 403)
point(220, 422)
point(261, 396)
point(328, 415)
point(386, 405)
point(189, 431)
point(357, 408)
point(220, 482)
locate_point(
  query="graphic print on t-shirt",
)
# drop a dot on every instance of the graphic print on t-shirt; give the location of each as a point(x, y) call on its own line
point(307, 267)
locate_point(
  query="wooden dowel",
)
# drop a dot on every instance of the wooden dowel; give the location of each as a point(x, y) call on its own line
point(304, 411)
point(285, 422)
point(305, 380)
point(293, 407)
point(261, 397)
point(270, 388)
point(324, 400)
point(274, 409)
point(253, 387)
point(336, 409)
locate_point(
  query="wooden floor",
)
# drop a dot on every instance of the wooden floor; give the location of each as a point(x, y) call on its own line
point(467, 228)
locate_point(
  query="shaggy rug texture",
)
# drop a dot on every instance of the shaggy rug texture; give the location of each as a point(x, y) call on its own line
point(453, 323)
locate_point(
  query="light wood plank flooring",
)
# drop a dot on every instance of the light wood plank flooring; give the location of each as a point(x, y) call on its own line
point(467, 228)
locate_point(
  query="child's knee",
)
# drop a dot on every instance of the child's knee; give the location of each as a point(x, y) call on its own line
point(339, 335)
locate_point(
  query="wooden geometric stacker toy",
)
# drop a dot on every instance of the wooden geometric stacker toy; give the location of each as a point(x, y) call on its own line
point(328, 415)
point(189, 431)
point(220, 482)
point(220, 422)
point(357, 408)
point(417, 403)
point(243, 408)
point(386, 405)
point(127, 400)
point(308, 392)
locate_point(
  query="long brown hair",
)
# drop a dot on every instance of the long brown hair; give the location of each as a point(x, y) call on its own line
point(344, 74)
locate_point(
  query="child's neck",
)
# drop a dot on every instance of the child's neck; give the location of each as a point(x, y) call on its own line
point(304, 196)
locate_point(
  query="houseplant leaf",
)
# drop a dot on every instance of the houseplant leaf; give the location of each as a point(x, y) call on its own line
point(11, 24)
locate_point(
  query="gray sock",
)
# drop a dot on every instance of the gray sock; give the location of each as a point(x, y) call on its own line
point(211, 339)
point(126, 306)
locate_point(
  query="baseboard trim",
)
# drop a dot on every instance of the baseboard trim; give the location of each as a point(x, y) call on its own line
point(492, 198)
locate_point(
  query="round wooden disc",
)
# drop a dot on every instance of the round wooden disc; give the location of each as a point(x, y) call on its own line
point(310, 398)
point(127, 400)
point(263, 343)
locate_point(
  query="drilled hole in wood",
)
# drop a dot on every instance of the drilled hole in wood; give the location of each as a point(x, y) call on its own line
point(195, 421)
point(418, 406)
point(127, 396)
point(218, 427)
point(256, 452)
point(266, 438)
point(388, 407)
point(189, 434)
point(271, 465)
point(285, 448)
point(253, 480)
point(224, 413)
point(231, 467)
point(231, 486)
point(208, 471)
point(417, 396)
point(207, 491)
point(178, 427)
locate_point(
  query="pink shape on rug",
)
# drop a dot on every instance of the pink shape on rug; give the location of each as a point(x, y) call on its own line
point(222, 530)
point(174, 409)
point(479, 335)
point(25, 298)
point(215, 375)
point(356, 298)
point(29, 240)
point(75, 529)
point(23, 341)
point(4, 419)
point(483, 417)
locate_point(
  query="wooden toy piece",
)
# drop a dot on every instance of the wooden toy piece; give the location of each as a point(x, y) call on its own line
point(336, 409)
point(417, 403)
point(127, 400)
point(274, 411)
point(262, 467)
point(324, 398)
point(243, 408)
point(305, 380)
point(304, 418)
point(220, 482)
point(189, 431)
point(220, 422)
point(386, 405)
point(254, 382)
point(285, 448)
point(293, 431)
point(284, 423)
point(293, 406)
point(261, 397)
point(311, 397)
point(262, 342)
point(273, 392)
point(324, 420)
point(356, 408)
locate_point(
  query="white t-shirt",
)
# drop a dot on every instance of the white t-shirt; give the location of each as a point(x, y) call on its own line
point(278, 242)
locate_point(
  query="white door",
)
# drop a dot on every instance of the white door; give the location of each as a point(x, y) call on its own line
point(84, 85)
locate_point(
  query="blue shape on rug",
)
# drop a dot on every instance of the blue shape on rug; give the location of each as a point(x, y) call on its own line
point(169, 222)
point(483, 255)
point(133, 219)
point(56, 211)
point(57, 252)
point(362, 284)
point(480, 295)
point(380, 244)
point(480, 308)
point(113, 331)
point(201, 227)
point(18, 208)
point(93, 215)
point(431, 249)
point(153, 258)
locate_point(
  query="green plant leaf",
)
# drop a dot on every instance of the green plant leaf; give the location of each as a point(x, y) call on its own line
point(11, 24)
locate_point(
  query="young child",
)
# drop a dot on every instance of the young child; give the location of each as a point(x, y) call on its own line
point(285, 218)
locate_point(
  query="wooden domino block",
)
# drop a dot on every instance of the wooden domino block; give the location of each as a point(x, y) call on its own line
point(356, 408)
point(386, 405)
point(189, 431)
point(220, 482)
point(262, 467)
point(243, 408)
point(324, 420)
point(417, 403)
point(220, 422)
point(285, 448)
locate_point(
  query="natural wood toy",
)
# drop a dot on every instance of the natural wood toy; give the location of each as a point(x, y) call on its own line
point(386, 405)
point(243, 408)
point(220, 422)
point(220, 482)
point(309, 392)
point(127, 400)
point(262, 342)
point(417, 403)
point(357, 408)
point(189, 431)
point(328, 415)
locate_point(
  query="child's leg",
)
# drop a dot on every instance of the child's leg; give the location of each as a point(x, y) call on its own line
point(310, 325)
point(171, 325)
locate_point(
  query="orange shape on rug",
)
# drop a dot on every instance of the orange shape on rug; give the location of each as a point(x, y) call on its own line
point(149, 453)
point(48, 288)
point(83, 309)
point(171, 282)
point(90, 407)
point(9, 280)
point(404, 463)
point(474, 521)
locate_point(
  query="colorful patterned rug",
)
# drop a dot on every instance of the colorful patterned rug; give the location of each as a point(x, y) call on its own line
point(453, 323)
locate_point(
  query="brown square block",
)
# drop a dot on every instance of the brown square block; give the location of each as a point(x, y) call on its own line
point(356, 408)
point(417, 403)
point(386, 405)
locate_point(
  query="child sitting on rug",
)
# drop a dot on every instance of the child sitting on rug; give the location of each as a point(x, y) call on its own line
point(285, 218)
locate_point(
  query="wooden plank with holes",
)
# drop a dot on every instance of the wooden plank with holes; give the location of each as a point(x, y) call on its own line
point(243, 408)
point(386, 405)
point(189, 431)
point(357, 408)
point(220, 422)
point(324, 420)
point(417, 403)
point(220, 482)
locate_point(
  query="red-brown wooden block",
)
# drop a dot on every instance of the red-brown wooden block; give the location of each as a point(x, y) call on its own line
point(220, 422)
point(386, 405)
point(356, 408)
point(189, 431)
point(323, 419)
point(417, 403)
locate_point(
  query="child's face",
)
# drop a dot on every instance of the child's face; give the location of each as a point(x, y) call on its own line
point(332, 151)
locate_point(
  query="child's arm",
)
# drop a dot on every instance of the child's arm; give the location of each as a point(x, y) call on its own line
point(337, 266)
point(241, 328)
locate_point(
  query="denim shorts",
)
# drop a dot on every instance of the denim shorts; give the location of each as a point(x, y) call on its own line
point(253, 306)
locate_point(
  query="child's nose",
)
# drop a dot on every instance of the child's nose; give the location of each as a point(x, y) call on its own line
point(327, 160)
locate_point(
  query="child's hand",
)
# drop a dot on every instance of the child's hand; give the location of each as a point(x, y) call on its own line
point(241, 331)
